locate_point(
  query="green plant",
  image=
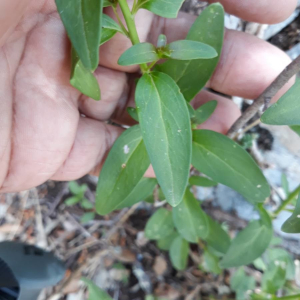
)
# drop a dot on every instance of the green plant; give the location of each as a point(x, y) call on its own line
point(167, 136)
point(78, 197)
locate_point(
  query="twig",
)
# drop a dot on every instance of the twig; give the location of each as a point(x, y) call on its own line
point(265, 98)
point(246, 129)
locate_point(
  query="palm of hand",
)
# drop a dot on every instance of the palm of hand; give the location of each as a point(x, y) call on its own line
point(43, 134)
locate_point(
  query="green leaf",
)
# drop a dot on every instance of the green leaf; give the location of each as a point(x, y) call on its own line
point(74, 188)
point(72, 201)
point(133, 113)
point(211, 262)
point(296, 128)
point(204, 112)
point(87, 217)
point(107, 3)
point(109, 23)
point(228, 163)
point(274, 278)
point(143, 190)
point(82, 79)
point(123, 169)
point(189, 50)
point(165, 243)
point(279, 255)
point(191, 76)
point(286, 111)
point(165, 8)
point(86, 204)
point(160, 225)
point(217, 238)
point(189, 219)
point(95, 293)
point(138, 54)
point(166, 129)
point(241, 283)
point(179, 253)
point(106, 35)
point(202, 181)
point(82, 20)
point(249, 244)
point(285, 184)
point(292, 224)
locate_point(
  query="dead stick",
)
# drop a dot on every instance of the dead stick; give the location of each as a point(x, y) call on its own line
point(265, 98)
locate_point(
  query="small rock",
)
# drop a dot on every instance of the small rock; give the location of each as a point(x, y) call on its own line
point(160, 266)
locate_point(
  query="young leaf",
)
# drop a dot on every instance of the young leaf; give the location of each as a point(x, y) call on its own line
point(82, 79)
point(87, 217)
point(109, 23)
point(95, 293)
point(286, 111)
point(107, 3)
point(179, 253)
point(143, 190)
point(188, 50)
point(241, 283)
point(165, 243)
point(249, 244)
point(109, 28)
point(138, 54)
point(72, 201)
point(74, 188)
point(285, 184)
point(211, 262)
point(166, 129)
point(274, 278)
point(82, 20)
point(133, 113)
point(281, 256)
point(165, 9)
point(86, 204)
point(106, 35)
point(160, 225)
point(123, 169)
point(292, 224)
point(228, 163)
point(296, 128)
point(217, 238)
point(190, 220)
point(191, 76)
point(204, 112)
point(202, 181)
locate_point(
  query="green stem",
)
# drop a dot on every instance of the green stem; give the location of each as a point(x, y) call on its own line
point(133, 35)
point(285, 203)
point(291, 297)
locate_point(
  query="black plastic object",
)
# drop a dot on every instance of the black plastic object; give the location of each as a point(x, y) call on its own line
point(25, 270)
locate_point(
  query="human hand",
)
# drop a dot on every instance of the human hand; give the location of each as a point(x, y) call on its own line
point(44, 134)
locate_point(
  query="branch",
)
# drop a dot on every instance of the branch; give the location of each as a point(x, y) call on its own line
point(265, 98)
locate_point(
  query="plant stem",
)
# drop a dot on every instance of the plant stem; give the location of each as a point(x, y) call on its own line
point(120, 22)
point(289, 199)
point(265, 98)
point(133, 35)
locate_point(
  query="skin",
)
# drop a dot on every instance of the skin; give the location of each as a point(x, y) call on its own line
point(44, 134)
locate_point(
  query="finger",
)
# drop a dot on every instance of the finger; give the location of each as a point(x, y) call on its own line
point(248, 65)
point(92, 143)
point(225, 114)
point(114, 91)
point(262, 11)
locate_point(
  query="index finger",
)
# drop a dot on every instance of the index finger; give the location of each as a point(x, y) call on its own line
point(261, 11)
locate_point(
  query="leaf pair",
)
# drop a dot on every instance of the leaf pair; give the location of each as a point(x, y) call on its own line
point(179, 50)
